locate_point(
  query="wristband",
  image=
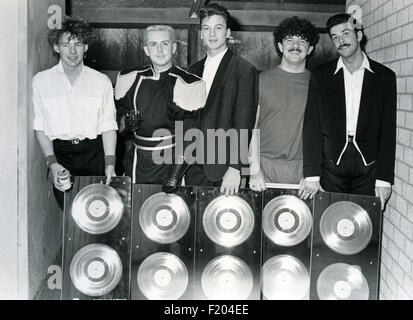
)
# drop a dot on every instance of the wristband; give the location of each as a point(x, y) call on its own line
point(110, 160)
point(51, 159)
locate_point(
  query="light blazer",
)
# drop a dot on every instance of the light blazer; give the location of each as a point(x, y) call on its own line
point(232, 103)
point(324, 130)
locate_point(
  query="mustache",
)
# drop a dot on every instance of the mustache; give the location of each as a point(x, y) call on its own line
point(295, 50)
point(345, 45)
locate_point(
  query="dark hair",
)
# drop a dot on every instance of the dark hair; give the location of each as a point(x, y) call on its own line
point(215, 9)
point(295, 26)
point(344, 18)
point(77, 28)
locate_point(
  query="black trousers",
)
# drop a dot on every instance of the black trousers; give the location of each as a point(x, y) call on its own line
point(195, 176)
point(87, 158)
point(350, 176)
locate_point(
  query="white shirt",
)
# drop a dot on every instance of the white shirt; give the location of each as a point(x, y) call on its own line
point(211, 68)
point(66, 112)
point(353, 84)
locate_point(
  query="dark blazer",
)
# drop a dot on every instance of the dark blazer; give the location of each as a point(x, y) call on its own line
point(231, 104)
point(324, 130)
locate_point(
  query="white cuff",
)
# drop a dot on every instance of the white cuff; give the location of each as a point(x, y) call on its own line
point(381, 183)
point(312, 179)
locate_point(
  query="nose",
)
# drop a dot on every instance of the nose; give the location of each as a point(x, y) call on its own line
point(159, 48)
point(212, 32)
point(72, 49)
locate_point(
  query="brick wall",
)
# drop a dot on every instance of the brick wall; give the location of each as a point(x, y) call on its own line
point(389, 28)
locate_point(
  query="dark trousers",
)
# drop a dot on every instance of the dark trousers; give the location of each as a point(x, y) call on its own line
point(350, 176)
point(195, 176)
point(145, 169)
point(86, 158)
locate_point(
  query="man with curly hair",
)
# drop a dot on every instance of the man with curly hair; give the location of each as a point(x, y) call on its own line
point(283, 96)
point(74, 110)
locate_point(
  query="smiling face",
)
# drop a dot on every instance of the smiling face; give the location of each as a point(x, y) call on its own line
point(214, 33)
point(345, 40)
point(71, 51)
point(160, 49)
point(295, 49)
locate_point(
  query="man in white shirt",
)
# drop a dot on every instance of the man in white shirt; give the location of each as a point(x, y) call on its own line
point(349, 132)
point(231, 105)
point(74, 110)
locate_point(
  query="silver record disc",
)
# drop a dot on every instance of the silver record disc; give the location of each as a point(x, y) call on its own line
point(97, 208)
point(227, 278)
point(285, 277)
point(162, 276)
point(96, 270)
point(287, 220)
point(342, 281)
point(228, 221)
point(164, 218)
point(346, 227)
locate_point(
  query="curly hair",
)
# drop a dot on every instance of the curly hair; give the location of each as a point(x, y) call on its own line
point(77, 28)
point(295, 26)
point(215, 9)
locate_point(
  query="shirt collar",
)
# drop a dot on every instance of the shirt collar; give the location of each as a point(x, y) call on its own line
point(59, 67)
point(364, 65)
point(216, 58)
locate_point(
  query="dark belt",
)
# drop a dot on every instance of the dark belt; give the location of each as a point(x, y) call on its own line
point(73, 141)
point(350, 139)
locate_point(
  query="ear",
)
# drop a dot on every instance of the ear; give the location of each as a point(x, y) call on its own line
point(280, 46)
point(359, 35)
point(86, 47)
point(174, 47)
point(145, 48)
point(56, 48)
point(310, 49)
point(228, 33)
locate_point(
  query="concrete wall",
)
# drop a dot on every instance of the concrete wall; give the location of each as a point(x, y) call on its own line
point(389, 28)
point(8, 154)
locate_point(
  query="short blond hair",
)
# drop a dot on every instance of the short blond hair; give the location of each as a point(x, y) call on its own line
point(159, 27)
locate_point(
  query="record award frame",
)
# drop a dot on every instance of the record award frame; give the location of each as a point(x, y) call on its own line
point(97, 252)
point(366, 261)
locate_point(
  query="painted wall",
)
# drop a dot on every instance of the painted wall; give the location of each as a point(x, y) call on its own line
point(8, 153)
point(389, 28)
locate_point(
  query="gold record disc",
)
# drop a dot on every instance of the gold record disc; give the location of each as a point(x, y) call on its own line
point(228, 221)
point(346, 228)
point(164, 218)
point(97, 208)
point(227, 278)
point(96, 270)
point(287, 220)
point(342, 281)
point(285, 277)
point(162, 276)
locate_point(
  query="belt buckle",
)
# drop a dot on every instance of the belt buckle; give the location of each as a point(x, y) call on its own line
point(75, 141)
point(350, 139)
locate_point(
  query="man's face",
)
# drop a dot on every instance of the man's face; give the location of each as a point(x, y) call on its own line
point(71, 51)
point(160, 49)
point(295, 49)
point(346, 41)
point(214, 33)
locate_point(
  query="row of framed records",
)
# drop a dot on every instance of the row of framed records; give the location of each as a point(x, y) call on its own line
point(131, 241)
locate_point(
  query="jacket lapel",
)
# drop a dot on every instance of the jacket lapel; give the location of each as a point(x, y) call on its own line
point(338, 115)
point(218, 79)
point(365, 100)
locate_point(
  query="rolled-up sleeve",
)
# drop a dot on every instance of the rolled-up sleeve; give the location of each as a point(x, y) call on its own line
point(108, 116)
